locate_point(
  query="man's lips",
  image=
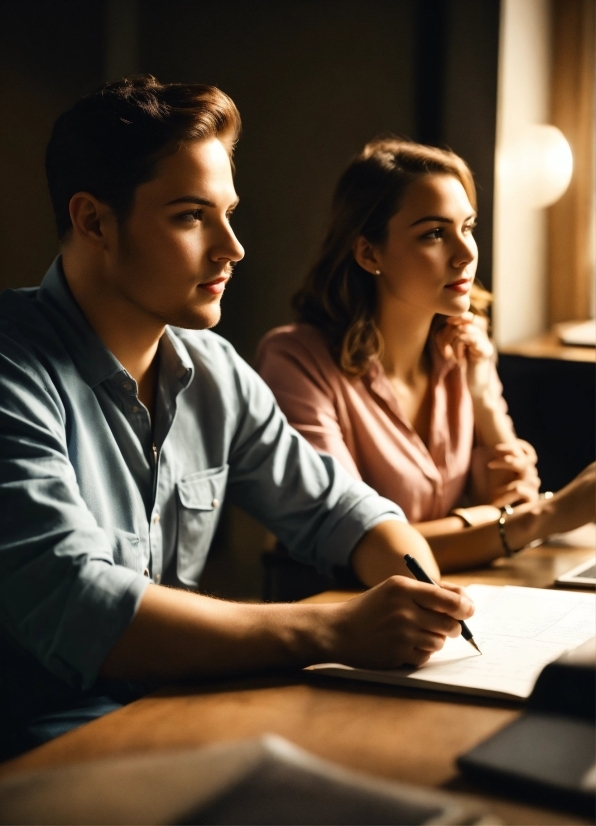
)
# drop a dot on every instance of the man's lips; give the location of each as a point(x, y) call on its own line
point(462, 285)
point(216, 286)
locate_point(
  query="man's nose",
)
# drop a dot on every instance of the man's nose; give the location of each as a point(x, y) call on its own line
point(229, 247)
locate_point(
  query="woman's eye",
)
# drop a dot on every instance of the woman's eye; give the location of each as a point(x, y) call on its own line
point(469, 228)
point(434, 234)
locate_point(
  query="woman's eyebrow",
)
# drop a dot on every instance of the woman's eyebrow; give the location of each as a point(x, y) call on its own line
point(439, 218)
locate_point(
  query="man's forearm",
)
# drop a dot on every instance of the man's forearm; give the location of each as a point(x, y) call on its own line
point(380, 552)
point(176, 634)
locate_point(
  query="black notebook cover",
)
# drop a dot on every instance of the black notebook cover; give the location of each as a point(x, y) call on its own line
point(548, 755)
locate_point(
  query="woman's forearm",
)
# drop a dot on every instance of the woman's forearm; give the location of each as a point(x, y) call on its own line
point(456, 547)
point(460, 547)
point(492, 425)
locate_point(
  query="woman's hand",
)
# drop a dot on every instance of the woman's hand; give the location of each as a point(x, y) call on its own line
point(465, 338)
point(518, 459)
point(575, 504)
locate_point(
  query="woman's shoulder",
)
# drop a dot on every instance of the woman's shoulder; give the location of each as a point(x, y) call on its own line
point(297, 340)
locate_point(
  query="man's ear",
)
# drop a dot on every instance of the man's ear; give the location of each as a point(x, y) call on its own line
point(90, 218)
point(365, 255)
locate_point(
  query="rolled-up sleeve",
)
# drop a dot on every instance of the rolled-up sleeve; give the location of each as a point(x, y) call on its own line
point(307, 499)
point(62, 597)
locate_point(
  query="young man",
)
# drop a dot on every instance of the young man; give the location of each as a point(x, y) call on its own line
point(124, 423)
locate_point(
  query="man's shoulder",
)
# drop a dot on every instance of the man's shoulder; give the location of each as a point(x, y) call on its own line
point(23, 328)
point(18, 306)
point(206, 346)
point(210, 352)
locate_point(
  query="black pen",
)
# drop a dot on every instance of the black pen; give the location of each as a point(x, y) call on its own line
point(421, 575)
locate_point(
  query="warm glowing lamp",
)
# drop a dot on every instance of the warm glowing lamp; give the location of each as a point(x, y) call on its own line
point(536, 165)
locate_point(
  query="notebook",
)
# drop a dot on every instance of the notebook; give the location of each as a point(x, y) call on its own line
point(518, 630)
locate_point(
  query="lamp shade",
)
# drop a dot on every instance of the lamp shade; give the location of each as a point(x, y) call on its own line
point(536, 165)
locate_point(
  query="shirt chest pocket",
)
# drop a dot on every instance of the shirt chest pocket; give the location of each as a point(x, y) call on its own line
point(200, 497)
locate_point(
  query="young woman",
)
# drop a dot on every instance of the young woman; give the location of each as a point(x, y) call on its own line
point(391, 369)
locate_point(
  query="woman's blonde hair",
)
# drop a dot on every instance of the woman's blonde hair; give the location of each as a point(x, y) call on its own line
point(338, 296)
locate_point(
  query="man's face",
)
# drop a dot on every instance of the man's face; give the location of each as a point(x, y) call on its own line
point(177, 248)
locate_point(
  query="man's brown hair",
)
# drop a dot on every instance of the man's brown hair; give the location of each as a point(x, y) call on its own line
point(110, 141)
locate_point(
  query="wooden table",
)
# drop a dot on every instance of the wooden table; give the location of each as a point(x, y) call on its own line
point(548, 346)
point(402, 734)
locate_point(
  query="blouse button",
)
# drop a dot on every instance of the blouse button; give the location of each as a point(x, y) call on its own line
point(215, 503)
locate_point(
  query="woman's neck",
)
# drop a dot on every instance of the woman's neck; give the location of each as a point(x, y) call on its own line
point(405, 332)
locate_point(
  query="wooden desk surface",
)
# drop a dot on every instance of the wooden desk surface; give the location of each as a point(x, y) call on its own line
point(402, 734)
point(548, 346)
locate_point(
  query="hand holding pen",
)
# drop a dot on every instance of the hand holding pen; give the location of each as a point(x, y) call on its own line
point(418, 572)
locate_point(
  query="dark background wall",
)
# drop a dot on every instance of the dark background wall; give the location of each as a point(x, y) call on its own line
point(51, 53)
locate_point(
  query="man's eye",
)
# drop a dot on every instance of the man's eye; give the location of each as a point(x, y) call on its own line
point(190, 217)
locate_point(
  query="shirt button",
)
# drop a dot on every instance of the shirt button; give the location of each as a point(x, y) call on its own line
point(156, 518)
point(135, 408)
point(126, 385)
point(215, 503)
point(146, 572)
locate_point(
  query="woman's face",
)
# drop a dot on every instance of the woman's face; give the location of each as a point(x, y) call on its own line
point(429, 258)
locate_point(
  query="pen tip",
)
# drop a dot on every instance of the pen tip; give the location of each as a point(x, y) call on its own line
point(475, 646)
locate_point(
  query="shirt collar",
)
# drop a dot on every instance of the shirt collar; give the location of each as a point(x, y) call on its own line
point(175, 357)
point(91, 357)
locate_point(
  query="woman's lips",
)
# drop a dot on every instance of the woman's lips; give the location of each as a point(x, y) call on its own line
point(462, 286)
point(215, 287)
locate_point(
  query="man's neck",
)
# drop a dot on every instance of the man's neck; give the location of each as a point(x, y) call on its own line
point(128, 332)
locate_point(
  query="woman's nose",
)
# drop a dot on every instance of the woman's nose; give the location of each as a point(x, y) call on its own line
point(466, 251)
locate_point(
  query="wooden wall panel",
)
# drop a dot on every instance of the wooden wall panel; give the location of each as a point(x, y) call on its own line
point(571, 220)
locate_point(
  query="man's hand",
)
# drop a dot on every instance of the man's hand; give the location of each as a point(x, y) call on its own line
point(398, 622)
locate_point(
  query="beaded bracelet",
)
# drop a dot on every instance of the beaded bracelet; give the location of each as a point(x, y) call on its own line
point(506, 510)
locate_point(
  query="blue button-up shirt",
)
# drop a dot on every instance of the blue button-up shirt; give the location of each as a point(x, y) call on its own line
point(94, 496)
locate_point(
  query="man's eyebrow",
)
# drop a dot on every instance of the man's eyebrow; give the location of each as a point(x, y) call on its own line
point(439, 219)
point(194, 199)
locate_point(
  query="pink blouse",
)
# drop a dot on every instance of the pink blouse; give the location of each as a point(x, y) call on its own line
point(359, 421)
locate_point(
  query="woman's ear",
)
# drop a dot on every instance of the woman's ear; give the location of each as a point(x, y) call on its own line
point(365, 255)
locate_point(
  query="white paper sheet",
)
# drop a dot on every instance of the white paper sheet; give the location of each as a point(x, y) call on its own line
point(518, 630)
